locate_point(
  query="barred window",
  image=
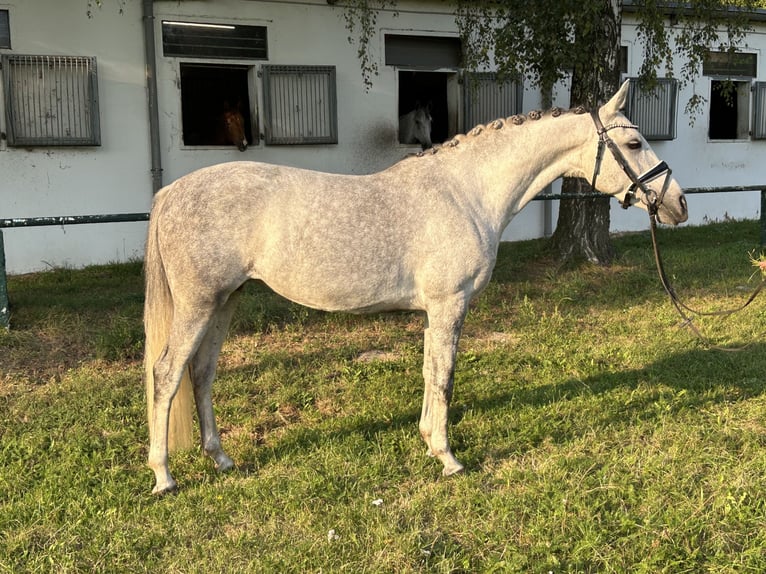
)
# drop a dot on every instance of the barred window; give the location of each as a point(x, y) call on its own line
point(759, 111)
point(654, 110)
point(300, 105)
point(51, 100)
point(487, 98)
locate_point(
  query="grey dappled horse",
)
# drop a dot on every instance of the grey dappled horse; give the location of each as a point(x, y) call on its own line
point(415, 127)
point(421, 235)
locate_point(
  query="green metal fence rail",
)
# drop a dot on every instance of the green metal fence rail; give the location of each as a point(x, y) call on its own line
point(5, 314)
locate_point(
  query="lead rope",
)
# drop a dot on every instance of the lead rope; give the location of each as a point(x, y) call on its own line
point(653, 202)
point(684, 310)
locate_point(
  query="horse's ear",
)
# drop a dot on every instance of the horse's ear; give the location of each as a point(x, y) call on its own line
point(619, 100)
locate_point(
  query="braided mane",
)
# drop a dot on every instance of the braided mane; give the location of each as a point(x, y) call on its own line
point(500, 123)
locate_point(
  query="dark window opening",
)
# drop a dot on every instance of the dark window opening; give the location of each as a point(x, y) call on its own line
point(207, 92)
point(623, 59)
point(729, 113)
point(5, 30)
point(428, 89)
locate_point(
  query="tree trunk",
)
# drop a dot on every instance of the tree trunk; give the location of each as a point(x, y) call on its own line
point(582, 230)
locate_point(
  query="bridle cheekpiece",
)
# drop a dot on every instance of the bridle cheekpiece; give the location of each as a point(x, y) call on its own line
point(649, 197)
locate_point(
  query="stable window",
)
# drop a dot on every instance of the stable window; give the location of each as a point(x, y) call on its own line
point(5, 30)
point(299, 105)
point(729, 110)
point(428, 77)
point(487, 98)
point(51, 100)
point(759, 111)
point(436, 90)
point(208, 93)
point(731, 75)
point(654, 110)
point(211, 40)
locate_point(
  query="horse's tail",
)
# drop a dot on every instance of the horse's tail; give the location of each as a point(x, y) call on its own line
point(158, 314)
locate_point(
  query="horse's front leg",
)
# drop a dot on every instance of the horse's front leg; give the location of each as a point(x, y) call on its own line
point(440, 350)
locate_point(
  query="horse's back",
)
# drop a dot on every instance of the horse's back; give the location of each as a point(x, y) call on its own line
point(325, 240)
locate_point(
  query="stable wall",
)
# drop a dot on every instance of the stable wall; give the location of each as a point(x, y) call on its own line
point(114, 178)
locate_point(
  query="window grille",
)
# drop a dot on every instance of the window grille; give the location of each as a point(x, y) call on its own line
point(300, 105)
point(487, 99)
point(654, 111)
point(759, 111)
point(51, 100)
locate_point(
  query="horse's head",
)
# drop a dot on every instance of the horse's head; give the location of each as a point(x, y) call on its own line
point(421, 126)
point(627, 168)
point(234, 126)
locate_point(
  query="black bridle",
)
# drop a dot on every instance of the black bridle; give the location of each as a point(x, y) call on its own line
point(649, 197)
point(653, 201)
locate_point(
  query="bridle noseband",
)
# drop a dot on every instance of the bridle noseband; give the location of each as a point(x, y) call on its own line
point(649, 197)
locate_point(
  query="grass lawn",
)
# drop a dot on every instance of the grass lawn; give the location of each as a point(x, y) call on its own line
point(598, 435)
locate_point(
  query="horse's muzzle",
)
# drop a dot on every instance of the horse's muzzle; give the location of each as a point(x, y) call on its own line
point(673, 210)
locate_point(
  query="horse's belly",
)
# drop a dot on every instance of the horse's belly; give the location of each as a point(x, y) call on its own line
point(359, 290)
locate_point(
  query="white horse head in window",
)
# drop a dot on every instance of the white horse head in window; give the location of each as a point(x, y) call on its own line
point(415, 127)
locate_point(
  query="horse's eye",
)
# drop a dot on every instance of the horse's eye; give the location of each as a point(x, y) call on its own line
point(635, 144)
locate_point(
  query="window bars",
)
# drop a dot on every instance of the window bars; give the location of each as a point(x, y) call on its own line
point(300, 105)
point(759, 111)
point(487, 99)
point(51, 100)
point(654, 110)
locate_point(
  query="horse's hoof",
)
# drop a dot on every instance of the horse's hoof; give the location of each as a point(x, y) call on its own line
point(453, 470)
point(224, 464)
point(169, 487)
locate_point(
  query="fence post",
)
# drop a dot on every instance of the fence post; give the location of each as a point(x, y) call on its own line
point(5, 312)
point(763, 216)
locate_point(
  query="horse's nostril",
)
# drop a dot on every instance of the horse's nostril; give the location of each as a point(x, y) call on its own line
point(682, 201)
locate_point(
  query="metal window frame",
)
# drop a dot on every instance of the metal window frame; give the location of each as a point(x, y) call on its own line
point(55, 105)
point(486, 98)
point(643, 107)
point(300, 90)
point(759, 111)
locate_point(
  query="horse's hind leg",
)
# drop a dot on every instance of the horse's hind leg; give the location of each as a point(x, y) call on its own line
point(203, 368)
point(186, 333)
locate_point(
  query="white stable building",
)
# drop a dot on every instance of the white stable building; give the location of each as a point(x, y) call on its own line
point(100, 106)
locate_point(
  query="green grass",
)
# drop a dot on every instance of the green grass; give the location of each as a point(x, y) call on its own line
point(597, 434)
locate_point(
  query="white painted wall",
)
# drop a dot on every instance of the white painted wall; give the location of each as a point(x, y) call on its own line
point(114, 178)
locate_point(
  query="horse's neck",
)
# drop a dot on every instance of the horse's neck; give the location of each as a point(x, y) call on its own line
point(504, 170)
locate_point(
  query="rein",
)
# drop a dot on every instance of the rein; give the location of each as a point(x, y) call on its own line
point(684, 310)
point(653, 202)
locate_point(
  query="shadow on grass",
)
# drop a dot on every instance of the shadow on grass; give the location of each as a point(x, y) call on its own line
point(688, 381)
